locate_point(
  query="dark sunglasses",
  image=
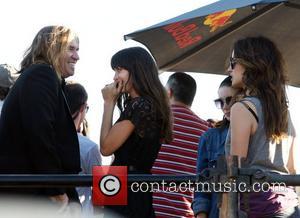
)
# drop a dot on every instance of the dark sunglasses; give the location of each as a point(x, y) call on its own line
point(220, 102)
point(232, 62)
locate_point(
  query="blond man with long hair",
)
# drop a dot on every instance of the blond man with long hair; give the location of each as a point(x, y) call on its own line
point(37, 133)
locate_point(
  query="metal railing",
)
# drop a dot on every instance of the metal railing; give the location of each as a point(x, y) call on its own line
point(225, 171)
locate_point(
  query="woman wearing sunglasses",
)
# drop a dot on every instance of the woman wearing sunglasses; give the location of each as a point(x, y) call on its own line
point(262, 135)
point(211, 146)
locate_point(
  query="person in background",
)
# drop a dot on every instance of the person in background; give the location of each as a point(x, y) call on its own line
point(180, 155)
point(261, 131)
point(37, 133)
point(77, 97)
point(144, 123)
point(8, 76)
point(211, 146)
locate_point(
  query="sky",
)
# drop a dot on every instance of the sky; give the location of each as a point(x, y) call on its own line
point(101, 26)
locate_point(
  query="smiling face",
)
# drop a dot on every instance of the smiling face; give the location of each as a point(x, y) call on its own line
point(122, 78)
point(236, 71)
point(69, 58)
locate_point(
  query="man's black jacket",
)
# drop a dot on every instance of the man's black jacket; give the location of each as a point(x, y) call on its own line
point(37, 133)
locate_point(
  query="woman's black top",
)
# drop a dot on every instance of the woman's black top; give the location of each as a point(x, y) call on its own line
point(139, 152)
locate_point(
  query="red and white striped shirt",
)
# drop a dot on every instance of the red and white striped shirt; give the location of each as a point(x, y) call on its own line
point(178, 157)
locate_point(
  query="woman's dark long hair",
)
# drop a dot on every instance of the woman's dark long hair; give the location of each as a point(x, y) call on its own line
point(227, 82)
point(143, 74)
point(265, 78)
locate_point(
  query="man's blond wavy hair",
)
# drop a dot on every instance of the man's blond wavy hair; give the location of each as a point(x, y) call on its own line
point(48, 47)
